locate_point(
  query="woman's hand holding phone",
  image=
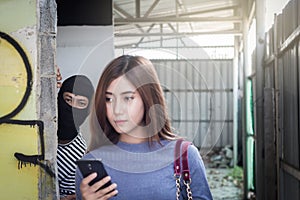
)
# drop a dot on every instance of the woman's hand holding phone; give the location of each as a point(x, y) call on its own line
point(96, 183)
point(92, 192)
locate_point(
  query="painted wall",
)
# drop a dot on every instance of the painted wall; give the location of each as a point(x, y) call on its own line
point(19, 127)
point(27, 103)
point(28, 88)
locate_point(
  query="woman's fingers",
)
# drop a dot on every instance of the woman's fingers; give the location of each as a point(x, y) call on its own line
point(93, 192)
point(107, 192)
point(100, 183)
point(86, 191)
point(110, 194)
point(88, 179)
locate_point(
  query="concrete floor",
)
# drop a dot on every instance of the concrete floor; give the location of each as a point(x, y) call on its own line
point(222, 186)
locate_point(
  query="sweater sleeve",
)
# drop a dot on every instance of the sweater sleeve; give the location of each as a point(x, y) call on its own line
point(199, 185)
point(78, 179)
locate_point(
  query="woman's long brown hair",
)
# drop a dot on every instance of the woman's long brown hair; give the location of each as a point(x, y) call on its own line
point(141, 73)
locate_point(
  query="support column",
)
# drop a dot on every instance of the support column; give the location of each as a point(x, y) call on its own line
point(235, 100)
point(260, 7)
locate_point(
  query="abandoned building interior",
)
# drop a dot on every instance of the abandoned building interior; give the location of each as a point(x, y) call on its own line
point(229, 71)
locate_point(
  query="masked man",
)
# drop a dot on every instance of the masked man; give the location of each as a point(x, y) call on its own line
point(74, 99)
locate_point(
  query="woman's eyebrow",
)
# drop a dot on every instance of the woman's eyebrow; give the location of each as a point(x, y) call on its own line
point(126, 92)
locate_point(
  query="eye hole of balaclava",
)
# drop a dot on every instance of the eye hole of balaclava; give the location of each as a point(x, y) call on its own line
point(70, 118)
point(76, 101)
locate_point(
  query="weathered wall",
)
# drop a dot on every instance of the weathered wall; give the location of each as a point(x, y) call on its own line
point(281, 143)
point(28, 31)
point(27, 106)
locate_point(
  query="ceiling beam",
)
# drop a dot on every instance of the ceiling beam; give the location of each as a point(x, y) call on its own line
point(170, 25)
point(121, 12)
point(137, 8)
point(151, 8)
point(129, 46)
point(180, 4)
point(209, 10)
point(126, 15)
point(149, 29)
point(176, 19)
point(225, 32)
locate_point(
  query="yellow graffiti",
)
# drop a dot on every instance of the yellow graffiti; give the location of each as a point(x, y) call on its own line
point(15, 183)
point(12, 78)
point(16, 135)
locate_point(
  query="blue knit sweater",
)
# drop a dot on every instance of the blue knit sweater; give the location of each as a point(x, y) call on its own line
point(145, 172)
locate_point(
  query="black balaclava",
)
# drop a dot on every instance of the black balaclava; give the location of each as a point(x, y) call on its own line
point(70, 118)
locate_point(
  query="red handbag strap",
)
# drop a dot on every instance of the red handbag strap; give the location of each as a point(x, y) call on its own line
point(185, 163)
point(184, 159)
point(183, 154)
point(177, 156)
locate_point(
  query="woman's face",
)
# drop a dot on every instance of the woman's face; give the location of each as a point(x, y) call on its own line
point(125, 110)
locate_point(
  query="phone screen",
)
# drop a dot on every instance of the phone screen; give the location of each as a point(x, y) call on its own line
point(87, 167)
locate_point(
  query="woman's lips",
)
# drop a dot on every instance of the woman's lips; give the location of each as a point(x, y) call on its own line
point(120, 122)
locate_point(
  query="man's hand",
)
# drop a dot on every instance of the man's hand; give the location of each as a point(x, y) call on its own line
point(58, 77)
point(69, 197)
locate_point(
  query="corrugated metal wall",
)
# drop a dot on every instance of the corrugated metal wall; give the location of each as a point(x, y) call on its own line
point(199, 95)
point(282, 74)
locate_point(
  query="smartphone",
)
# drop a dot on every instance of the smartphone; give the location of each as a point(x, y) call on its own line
point(88, 167)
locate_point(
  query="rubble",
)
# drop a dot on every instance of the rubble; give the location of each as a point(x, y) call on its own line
point(225, 181)
point(219, 157)
point(223, 186)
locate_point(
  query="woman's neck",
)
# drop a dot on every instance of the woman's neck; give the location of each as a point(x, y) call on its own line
point(132, 139)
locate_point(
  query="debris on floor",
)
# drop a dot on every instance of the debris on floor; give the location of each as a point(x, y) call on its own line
point(219, 157)
point(223, 185)
point(225, 181)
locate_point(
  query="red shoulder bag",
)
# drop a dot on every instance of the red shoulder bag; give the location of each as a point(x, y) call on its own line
point(180, 154)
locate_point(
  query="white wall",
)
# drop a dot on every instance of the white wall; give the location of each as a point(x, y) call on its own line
point(84, 50)
point(273, 7)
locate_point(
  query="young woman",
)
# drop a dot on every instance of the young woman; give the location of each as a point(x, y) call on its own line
point(131, 134)
point(73, 103)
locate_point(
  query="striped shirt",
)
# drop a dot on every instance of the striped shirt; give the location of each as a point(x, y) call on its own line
point(67, 154)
